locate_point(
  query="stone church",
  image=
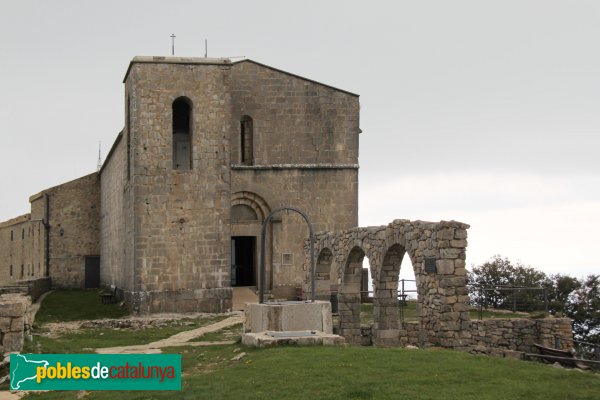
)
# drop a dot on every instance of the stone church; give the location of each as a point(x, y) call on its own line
point(172, 219)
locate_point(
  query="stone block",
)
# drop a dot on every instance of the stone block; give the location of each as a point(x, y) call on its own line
point(445, 267)
point(289, 316)
point(4, 324)
point(13, 341)
point(16, 324)
point(12, 309)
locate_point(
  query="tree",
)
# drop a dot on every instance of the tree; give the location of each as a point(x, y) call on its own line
point(562, 287)
point(495, 284)
point(583, 307)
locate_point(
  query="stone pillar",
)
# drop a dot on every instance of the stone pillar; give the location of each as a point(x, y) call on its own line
point(349, 312)
point(386, 328)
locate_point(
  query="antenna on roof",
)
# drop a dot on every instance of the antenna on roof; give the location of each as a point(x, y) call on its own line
point(99, 156)
point(205, 48)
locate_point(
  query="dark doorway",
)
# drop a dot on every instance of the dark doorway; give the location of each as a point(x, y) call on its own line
point(92, 272)
point(243, 261)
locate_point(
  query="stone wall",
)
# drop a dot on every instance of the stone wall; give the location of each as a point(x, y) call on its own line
point(116, 218)
point(22, 244)
point(305, 154)
point(74, 226)
point(37, 287)
point(442, 292)
point(13, 319)
point(181, 235)
point(518, 334)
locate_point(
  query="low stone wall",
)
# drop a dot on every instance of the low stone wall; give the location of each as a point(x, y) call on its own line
point(485, 336)
point(13, 319)
point(216, 300)
point(519, 334)
point(37, 287)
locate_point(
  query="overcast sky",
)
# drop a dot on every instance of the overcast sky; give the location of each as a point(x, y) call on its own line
point(486, 112)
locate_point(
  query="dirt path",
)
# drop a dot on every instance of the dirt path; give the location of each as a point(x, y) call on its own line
point(179, 339)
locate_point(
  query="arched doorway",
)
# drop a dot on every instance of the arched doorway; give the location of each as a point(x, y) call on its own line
point(248, 211)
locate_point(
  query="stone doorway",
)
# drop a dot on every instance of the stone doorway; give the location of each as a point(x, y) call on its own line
point(243, 261)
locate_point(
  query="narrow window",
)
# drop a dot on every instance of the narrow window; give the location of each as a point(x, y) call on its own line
point(11, 271)
point(12, 236)
point(246, 145)
point(23, 233)
point(182, 133)
point(22, 271)
point(128, 138)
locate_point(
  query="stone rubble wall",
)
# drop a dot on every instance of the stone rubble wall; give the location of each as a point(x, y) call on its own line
point(37, 287)
point(519, 334)
point(492, 335)
point(442, 295)
point(442, 301)
point(13, 321)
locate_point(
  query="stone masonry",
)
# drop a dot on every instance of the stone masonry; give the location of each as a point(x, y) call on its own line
point(201, 138)
point(13, 319)
point(166, 233)
point(55, 238)
point(437, 252)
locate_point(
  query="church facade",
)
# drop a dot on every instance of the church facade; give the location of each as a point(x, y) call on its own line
point(172, 219)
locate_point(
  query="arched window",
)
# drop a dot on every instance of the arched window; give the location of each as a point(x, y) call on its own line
point(182, 133)
point(246, 142)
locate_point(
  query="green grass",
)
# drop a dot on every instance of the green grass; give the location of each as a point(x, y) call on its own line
point(85, 340)
point(73, 305)
point(233, 332)
point(361, 373)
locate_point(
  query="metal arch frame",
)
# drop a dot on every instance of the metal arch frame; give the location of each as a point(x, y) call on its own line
point(261, 298)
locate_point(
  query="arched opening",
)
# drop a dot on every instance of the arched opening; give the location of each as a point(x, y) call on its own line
point(395, 298)
point(407, 291)
point(248, 210)
point(323, 282)
point(246, 141)
point(349, 298)
point(182, 133)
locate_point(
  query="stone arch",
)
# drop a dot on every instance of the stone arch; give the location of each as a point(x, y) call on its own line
point(349, 298)
point(253, 200)
point(386, 319)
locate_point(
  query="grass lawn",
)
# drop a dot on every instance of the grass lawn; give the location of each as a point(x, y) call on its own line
point(73, 305)
point(360, 373)
point(292, 372)
point(85, 340)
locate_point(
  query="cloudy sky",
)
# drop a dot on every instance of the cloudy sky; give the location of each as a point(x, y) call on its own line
point(486, 112)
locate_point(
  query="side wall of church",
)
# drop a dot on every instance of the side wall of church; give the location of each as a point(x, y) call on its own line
point(181, 229)
point(305, 142)
point(116, 220)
